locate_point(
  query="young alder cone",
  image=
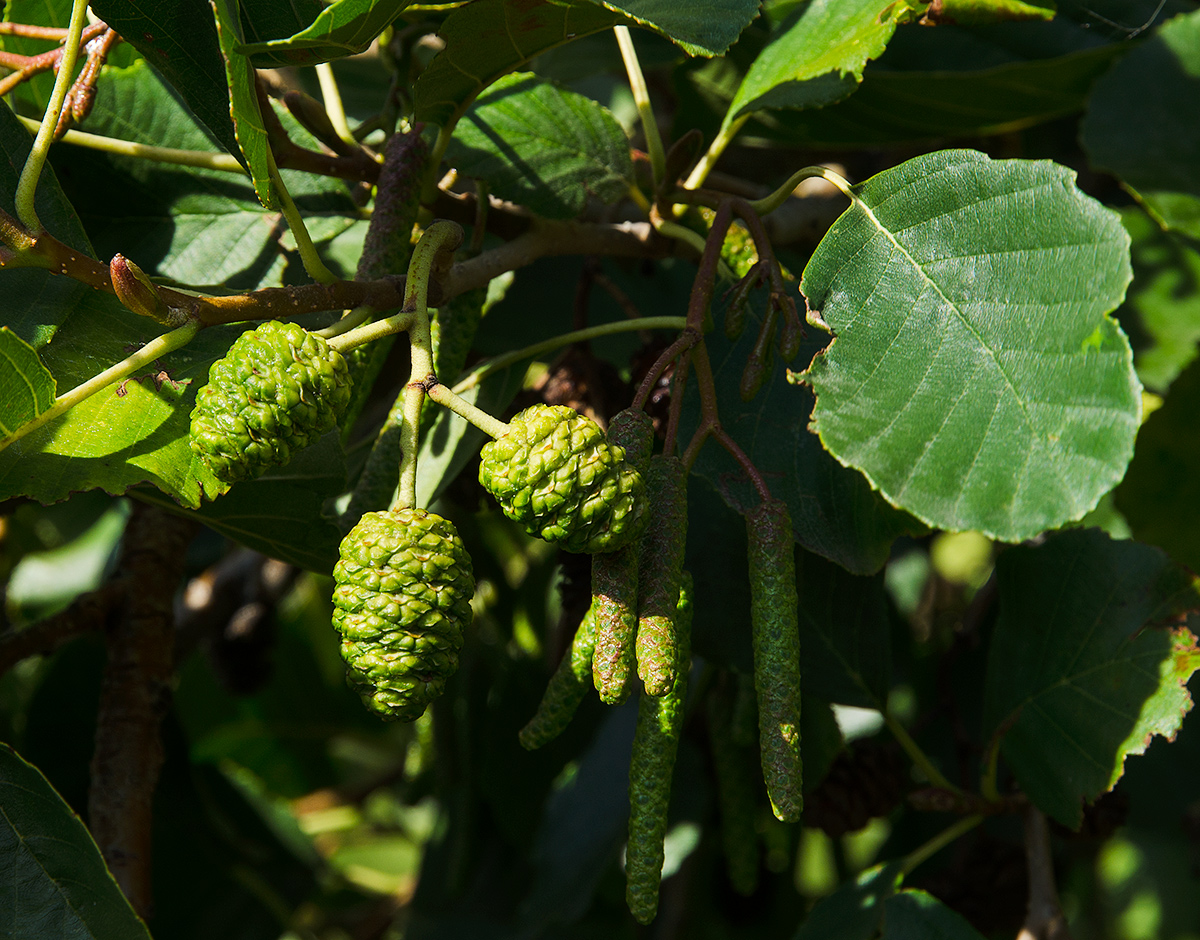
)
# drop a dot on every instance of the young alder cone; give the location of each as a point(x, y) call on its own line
point(556, 474)
point(277, 390)
point(401, 604)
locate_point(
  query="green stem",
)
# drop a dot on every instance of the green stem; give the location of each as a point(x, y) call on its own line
point(128, 148)
point(308, 251)
point(32, 171)
point(641, 97)
point(429, 191)
point(333, 102)
point(369, 332)
point(440, 239)
point(772, 202)
point(352, 319)
point(484, 369)
point(723, 139)
point(938, 842)
point(156, 348)
point(916, 755)
point(493, 427)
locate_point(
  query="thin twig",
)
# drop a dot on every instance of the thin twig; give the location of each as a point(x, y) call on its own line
point(1044, 920)
point(87, 613)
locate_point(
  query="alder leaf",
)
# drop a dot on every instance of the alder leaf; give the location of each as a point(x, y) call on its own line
point(700, 27)
point(1080, 675)
point(53, 882)
point(26, 386)
point(515, 31)
point(180, 41)
point(248, 125)
point(975, 376)
point(542, 146)
point(819, 56)
point(1143, 122)
point(345, 27)
point(37, 301)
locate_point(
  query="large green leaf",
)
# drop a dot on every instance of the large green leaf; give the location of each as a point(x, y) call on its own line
point(248, 125)
point(834, 512)
point(975, 376)
point(281, 513)
point(1078, 675)
point(1160, 495)
point(36, 301)
point(267, 20)
point(490, 38)
point(345, 27)
point(195, 226)
point(916, 915)
point(132, 432)
point(53, 882)
point(180, 41)
point(1165, 294)
point(892, 105)
point(542, 146)
point(819, 56)
point(1143, 122)
point(26, 386)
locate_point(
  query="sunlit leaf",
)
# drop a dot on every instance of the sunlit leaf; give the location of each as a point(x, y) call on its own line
point(975, 376)
point(26, 386)
point(248, 124)
point(819, 56)
point(542, 146)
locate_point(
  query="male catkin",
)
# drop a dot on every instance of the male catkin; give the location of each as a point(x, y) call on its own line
point(776, 639)
point(655, 743)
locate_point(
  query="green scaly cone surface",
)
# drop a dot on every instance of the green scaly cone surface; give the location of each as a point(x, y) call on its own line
point(277, 390)
point(401, 604)
point(556, 474)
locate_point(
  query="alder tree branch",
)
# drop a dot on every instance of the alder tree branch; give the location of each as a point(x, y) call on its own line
point(89, 612)
point(134, 697)
point(1044, 920)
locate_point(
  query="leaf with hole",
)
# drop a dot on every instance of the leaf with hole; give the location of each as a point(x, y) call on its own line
point(975, 376)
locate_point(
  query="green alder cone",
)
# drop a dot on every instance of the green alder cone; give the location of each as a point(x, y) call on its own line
point(277, 390)
point(774, 619)
point(401, 603)
point(565, 690)
point(555, 473)
point(659, 572)
point(655, 744)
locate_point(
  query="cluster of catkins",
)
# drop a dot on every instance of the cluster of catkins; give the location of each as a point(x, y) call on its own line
point(404, 582)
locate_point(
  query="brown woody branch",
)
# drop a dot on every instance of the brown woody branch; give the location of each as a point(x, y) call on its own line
point(26, 67)
point(134, 697)
point(88, 613)
point(1044, 920)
